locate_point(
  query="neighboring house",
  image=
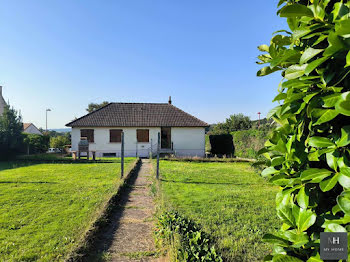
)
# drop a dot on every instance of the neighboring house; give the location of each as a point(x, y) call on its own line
point(30, 128)
point(181, 133)
point(2, 102)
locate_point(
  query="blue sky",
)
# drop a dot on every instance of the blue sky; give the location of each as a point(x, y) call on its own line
point(65, 54)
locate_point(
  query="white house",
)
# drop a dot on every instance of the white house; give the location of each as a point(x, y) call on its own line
point(30, 128)
point(181, 133)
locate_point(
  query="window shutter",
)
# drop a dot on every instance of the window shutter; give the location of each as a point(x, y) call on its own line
point(115, 135)
point(142, 135)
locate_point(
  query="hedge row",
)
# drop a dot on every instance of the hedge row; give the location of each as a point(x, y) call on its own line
point(247, 143)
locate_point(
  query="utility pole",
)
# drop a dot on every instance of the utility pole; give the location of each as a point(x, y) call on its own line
point(259, 119)
point(47, 110)
point(158, 152)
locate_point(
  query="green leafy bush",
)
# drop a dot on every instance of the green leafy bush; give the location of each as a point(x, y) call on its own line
point(36, 144)
point(247, 143)
point(192, 244)
point(309, 153)
point(11, 138)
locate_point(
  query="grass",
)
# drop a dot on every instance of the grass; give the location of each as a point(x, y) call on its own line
point(230, 201)
point(45, 209)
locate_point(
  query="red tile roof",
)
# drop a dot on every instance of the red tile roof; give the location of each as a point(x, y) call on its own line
point(138, 115)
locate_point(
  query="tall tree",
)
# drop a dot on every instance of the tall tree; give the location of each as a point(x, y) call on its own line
point(308, 155)
point(94, 106)
point(233, 123)
point(11, 127)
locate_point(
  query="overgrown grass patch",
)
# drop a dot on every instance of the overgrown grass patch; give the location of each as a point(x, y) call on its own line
point(230, 201)
point(45, 209)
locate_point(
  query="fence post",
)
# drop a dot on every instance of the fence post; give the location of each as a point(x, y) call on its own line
point(158, 149)
point(122, 155)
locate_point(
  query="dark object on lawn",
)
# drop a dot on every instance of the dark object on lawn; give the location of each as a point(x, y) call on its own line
point(83, 147)
point(222, 144)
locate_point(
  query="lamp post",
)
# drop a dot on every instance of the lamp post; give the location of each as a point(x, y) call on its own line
point(259, 119)
point(47, 110)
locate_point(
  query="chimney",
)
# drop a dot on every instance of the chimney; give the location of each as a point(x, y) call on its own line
point(0, 90)
point(169, 100)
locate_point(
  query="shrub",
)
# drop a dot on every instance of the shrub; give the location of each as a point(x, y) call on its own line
point(221, 144)
point(36, 144)
point(247, 143)
point(309, 153)
point(11, 138)
point(190, 242)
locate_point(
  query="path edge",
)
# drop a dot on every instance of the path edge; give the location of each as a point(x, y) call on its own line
point(86, 243)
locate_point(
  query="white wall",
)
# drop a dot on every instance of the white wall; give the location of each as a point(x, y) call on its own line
point(186, 141)
point(32, 130)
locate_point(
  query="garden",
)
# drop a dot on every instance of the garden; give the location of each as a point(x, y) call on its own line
point(229, 202)
point(47, 208)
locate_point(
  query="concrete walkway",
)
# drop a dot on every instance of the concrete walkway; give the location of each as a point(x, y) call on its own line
point(129, 237)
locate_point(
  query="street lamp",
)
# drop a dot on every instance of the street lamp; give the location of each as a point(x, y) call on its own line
point(47, 110)
point(259, 119)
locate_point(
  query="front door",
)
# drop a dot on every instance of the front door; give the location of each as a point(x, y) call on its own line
point(165, 137)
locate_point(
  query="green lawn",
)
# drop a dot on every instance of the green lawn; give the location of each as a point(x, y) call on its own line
point(229, 200)
point(45, 209)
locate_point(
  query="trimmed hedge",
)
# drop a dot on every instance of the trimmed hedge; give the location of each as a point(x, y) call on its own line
point(221, 144)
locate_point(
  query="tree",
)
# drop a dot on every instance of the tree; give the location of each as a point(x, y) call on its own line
point(308, 154)
point(93, 106)
point(59, 141)
point(233, 123)
point(36, 144)
point(11, 138)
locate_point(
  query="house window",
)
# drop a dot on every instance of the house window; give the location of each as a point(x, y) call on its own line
point(88, 133)
point(142, 135)
point(115, 135)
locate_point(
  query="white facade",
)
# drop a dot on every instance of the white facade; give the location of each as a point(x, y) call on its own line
point(187, 141)
point(32, 129)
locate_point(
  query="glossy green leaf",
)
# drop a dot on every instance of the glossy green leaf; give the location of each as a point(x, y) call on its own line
point(285, 258)
point(263, 48)
point(285, 214)
point(343, 105)
point(266, 71)
point(275, 239)
point(314, 64)
point(333, 227)
point(268, 171)
point(345, 137)
point(318, 141)
point(344, 177)
point(315, 174)
point(305, 219)
point(294, 71)
point(303, 198)
point(331, 100)
point(332, 160)
point(347, 59)
point(328, 184)
point(343, 201)
point(342, 28)
point(327, 116)
point(308, 54)
point(295, 10)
